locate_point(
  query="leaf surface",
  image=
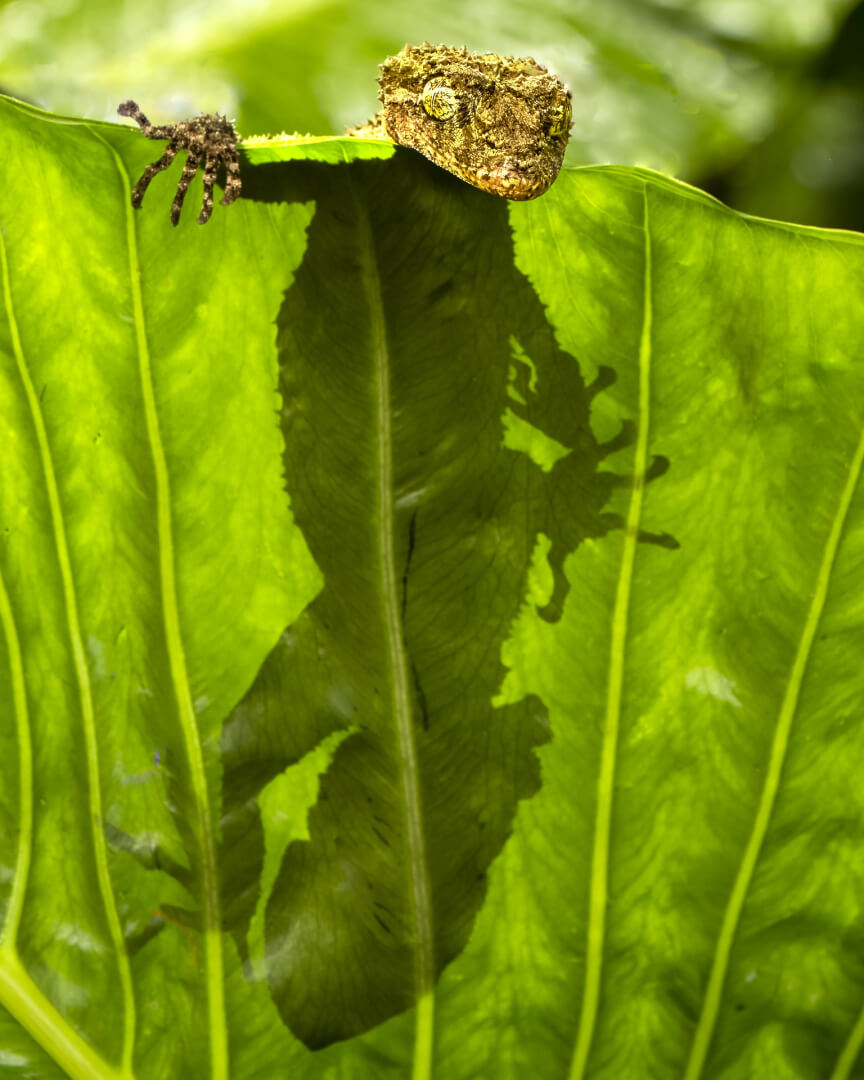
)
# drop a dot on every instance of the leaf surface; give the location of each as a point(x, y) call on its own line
point(563, 618)
point(122, 526)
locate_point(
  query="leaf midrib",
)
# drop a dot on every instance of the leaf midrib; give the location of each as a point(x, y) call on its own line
point(421, 905)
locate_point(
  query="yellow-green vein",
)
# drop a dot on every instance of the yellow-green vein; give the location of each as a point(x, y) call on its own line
point(398, 662)
point(211, 903)
point(599, 881)
point(82, 672)
point(35, 1013)
point(849, 1054)
point(714, 991)
point(9, 931)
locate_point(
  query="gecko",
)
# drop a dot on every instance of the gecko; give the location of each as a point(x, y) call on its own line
point(498, 123)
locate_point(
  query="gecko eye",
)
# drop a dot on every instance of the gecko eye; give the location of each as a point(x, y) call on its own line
point(439, 99)
point(560, 118)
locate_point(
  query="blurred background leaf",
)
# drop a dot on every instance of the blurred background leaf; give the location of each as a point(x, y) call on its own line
point(759, 101)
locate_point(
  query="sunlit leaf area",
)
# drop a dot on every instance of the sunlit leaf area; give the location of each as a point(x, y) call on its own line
point(430, 625)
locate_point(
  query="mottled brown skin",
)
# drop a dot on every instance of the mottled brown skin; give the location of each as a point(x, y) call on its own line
point(211, 139)
point(502, 124)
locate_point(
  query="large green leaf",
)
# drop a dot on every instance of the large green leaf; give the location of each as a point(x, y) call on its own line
point(572, 554)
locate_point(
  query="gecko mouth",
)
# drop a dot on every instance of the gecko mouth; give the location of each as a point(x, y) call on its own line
point(512, 183)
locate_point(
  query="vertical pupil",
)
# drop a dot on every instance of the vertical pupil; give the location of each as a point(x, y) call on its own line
point(438, 99)
point(560, 119)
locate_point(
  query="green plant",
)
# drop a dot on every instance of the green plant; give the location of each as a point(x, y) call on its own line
point(541, 705)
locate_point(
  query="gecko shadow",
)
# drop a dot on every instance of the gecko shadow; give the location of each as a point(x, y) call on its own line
point(403, 339)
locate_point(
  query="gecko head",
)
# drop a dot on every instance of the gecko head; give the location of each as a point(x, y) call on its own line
point(499, 123)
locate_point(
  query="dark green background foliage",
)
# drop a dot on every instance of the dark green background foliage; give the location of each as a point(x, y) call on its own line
point(429, 625)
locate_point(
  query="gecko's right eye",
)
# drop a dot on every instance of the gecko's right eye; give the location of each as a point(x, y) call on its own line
point(560, 118)
point(439, 99)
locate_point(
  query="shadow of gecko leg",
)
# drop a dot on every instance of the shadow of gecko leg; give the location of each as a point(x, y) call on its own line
point(395, 343)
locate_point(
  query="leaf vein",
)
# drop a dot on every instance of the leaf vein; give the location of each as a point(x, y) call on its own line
point(400, 666)
point(211, 900)
point(9, 932)
point(599, 880)
point(780, 744)
point(82, 671)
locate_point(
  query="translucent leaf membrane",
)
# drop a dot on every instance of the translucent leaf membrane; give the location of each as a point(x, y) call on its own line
point(503, 661)
point(146, 570)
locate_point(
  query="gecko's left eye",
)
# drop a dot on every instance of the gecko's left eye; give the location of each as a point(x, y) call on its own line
point(439, 99)
point(560, 118)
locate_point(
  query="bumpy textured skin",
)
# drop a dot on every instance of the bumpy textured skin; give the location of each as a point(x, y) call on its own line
point(510, 127)
point(211, 139)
